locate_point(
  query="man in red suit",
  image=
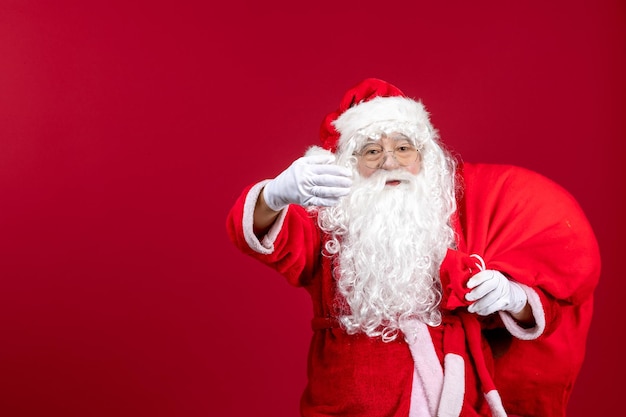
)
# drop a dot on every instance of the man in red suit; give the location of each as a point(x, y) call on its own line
point(438, 288)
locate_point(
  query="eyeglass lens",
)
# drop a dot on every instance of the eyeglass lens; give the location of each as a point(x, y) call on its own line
point(374, 155)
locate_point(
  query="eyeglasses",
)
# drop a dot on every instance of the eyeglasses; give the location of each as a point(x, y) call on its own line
point(374, 155)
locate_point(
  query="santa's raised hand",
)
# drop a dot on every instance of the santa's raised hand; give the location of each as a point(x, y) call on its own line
point(309, 181)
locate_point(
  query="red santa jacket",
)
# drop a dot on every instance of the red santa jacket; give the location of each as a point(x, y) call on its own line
point(521, 224)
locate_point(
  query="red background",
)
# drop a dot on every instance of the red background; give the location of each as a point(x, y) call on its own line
point(127, 130)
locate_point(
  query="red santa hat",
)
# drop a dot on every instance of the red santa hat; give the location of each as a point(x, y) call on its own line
point(374, 107)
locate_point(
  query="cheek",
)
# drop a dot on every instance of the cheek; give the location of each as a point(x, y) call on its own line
point(364, 171)
point(415, 168)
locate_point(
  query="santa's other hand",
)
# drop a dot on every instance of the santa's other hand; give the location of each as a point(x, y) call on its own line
point(491, 291)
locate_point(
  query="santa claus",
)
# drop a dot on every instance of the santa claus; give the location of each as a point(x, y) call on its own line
point(438, 288)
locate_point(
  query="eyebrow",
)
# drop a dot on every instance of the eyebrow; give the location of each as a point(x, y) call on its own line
point(399, 136)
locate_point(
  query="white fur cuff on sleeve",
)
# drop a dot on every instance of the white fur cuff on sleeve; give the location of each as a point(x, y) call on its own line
point(538, 313)
point(266, 244)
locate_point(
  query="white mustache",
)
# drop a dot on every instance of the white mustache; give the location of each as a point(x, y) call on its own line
point(377, 180)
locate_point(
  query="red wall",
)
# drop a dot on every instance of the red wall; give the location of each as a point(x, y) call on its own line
point(127, 131)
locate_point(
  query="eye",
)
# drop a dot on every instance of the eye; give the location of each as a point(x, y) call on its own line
point(404, 148)
point(372, 150)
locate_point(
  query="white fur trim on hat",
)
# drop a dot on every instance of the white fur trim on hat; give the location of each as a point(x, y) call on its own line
point(384, 115)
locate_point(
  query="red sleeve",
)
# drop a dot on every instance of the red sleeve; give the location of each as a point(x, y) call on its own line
point(295, 249)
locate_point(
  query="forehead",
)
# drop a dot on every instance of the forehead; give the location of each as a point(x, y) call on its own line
point(394, 136)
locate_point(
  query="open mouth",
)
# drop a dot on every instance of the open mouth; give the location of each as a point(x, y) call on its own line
point(393, 183)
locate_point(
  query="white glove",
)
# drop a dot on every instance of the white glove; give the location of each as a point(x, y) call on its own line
point(491, 291)
point(309, 181)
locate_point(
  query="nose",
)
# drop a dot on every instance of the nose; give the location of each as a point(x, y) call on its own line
point(389, 161)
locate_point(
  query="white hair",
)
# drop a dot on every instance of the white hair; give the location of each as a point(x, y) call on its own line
point(390, 241)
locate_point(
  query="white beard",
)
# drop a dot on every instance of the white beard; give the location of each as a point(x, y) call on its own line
point(389, 242)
